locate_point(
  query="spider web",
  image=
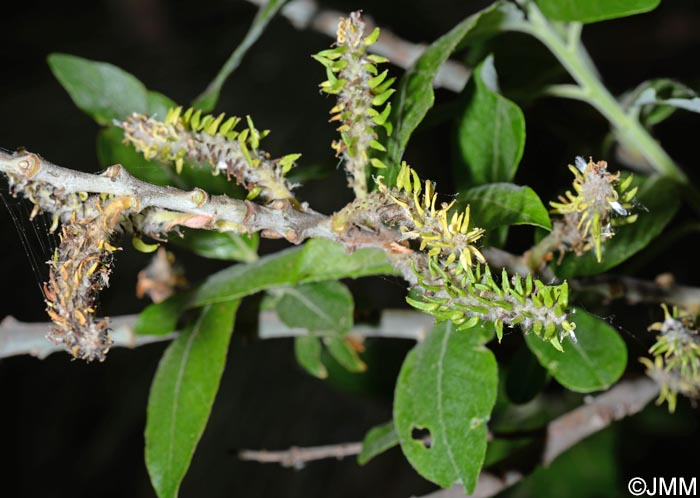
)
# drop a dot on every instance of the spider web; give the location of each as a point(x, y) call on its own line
point(38, 242)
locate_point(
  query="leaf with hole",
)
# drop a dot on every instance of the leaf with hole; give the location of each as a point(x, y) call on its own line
point(447, 386)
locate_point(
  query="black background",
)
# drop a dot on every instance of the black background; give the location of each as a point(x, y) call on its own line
point(71, 429)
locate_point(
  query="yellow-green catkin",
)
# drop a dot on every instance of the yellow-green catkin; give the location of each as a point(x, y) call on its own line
point(362, 93)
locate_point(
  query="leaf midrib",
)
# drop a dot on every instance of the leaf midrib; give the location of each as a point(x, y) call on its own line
point(178, 384)
point(441, 418)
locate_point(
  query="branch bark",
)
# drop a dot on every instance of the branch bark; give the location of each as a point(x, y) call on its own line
point(298, 457)
point(279, 219)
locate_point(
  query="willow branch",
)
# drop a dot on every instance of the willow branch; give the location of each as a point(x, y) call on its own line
point(20, 338)
point(305, 14)
point(279, 219)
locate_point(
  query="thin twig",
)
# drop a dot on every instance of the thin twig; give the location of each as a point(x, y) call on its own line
point(298, 457)
point(393, 324)
point(305, 14)
point(635, 291)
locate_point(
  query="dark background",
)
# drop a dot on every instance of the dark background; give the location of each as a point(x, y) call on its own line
point(71, 429)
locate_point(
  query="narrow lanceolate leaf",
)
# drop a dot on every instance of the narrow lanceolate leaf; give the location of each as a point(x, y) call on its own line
point(596, 361)
point(447, 386)
point(307, 350)
point(378, 440)
point(183, 393)
point(316, 261)
point(415, 95)
point(587, 11)
point(502, 204)
point(490, 132)
point(208, 99)
point(659, 201)
point(342, 351)
point(103, 91)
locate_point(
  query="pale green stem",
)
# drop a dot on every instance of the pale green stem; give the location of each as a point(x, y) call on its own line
point(567, 48)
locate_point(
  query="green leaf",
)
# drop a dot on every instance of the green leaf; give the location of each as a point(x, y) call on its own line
point(316, 261)
point(596, 361)
point(659, 201)
point(219, 245)
point(415, 95)
point(317, 306)
point(587, 11)
point(159, 104)
point(342, 351)
point(307, 350)
point(491, 132)
point(447, 385)
point(325, 309)
point(208, 99)
point(377, 440)
point(655, 100)
point(182, 395)
point(502, 204)
point(103, 91)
